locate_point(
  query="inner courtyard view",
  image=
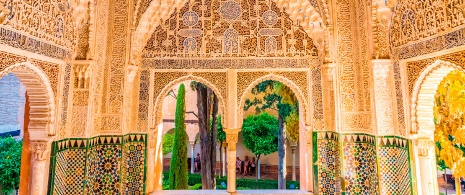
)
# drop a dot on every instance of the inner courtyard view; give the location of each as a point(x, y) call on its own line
point(179, 97)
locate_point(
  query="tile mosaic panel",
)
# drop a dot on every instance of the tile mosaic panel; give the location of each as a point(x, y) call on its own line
point(104, 162)
point(134, 160)
point(359, 164)
point(69, 172)
point(393, 157)
point(99, 165)
point(327, 172)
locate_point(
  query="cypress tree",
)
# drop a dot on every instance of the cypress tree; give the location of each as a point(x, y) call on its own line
point(178, 166)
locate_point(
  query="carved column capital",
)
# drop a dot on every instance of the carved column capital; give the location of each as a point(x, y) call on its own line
point(39, 150)
point(232, 137)
point(424, 145)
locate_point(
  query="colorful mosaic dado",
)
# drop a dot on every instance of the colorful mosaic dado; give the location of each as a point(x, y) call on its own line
point(359, 164)
point(99, 165)
point(358, 159)
point(326, 160)
point(394, 165)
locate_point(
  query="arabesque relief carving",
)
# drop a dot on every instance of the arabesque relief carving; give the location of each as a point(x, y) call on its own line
point(229, 29)
point(422, 27)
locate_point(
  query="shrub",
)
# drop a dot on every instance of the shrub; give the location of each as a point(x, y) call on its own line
point(10, 164)
point(196, 187)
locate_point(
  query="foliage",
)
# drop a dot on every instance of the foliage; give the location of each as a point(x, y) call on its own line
point(260, 134)
point(280, 97)
point(196, 187)
point(292, 126)
point(449, 122)
point(178, 166)
point(10, 164)
point(195, 179)
point(221, 135)
point(168, 141)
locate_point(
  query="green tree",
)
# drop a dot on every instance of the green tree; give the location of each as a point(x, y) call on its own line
point(279, 97)
point(260, 135)
point(168, 141)
point(178, 166)
point(10, 164)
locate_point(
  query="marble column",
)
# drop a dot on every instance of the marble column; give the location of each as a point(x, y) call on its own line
point(383, 91)
point(39, 151)
point(427, 162)
point(293, 148)
point(231, 138)
point(192, 143)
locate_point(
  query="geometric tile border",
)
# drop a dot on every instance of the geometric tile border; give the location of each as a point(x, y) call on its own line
point(394, 165)
point(99, 165)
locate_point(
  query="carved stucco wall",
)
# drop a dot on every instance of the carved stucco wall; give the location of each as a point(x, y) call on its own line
point(353, 63)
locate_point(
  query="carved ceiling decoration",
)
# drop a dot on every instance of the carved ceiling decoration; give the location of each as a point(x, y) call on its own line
point(300, 13)
point(229, 29)
point(416, 21)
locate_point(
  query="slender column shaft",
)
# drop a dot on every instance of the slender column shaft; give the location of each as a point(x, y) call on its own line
point(39, 182)
point(192, 157)
point(293, 165)
point(224, 160)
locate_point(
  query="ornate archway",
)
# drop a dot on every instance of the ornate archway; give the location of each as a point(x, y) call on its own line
point(41, 120)
point(41, 97)
point(422, 123)
point(304, 143)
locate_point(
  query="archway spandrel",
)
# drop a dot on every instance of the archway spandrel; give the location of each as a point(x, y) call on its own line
point(415, 69)
point(8, 59)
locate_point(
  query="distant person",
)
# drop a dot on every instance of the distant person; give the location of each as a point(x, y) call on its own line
point(253, 164)
point(238, 165)
point(246, 165)
point(197, 163)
